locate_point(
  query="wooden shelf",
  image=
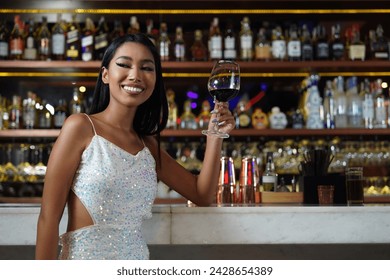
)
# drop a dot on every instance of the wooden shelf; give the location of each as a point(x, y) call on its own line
point(191, 69)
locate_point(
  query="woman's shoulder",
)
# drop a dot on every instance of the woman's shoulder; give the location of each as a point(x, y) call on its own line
point(77, 127)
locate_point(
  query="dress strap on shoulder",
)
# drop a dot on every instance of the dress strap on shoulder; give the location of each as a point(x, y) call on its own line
point(93, 126)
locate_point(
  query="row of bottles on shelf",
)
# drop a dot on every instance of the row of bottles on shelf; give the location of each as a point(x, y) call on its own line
point(345, 103)
point(25, 163)
point(34, 112)
point(68, 41)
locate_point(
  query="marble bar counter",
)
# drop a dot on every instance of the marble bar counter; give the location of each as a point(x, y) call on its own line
point(182, 225)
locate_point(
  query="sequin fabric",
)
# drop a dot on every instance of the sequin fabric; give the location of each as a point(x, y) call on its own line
point(118, 190)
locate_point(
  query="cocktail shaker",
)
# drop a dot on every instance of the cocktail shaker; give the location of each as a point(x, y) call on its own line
point(248, 180)
point(227, 182)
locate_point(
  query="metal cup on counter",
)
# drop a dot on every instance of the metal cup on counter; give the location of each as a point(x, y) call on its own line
point(248, 180)
point(226, 182)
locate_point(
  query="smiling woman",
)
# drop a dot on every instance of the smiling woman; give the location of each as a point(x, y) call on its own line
point(105, 166)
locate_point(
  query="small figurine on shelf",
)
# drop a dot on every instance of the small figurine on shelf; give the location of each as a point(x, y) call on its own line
point(277, 119)
point(259, 119)
point(204, 116)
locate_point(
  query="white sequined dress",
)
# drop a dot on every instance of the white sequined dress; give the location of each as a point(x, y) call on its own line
point(117, 189)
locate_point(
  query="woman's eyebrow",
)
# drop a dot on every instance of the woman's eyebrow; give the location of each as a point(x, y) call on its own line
point(146, 60)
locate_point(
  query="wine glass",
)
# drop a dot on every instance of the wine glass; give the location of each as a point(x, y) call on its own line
point(223, 85)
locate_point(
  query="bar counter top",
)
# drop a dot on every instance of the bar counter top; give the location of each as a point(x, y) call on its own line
point(276, 224)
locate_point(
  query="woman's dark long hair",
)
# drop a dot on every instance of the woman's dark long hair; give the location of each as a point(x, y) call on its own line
point(151, 116)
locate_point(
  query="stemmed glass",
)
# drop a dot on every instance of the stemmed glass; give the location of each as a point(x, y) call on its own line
point(223, 85)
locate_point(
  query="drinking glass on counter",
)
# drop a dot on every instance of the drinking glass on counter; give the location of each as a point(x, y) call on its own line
point(354, 186)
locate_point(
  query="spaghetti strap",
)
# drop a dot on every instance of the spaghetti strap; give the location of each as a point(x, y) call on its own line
point(93, 127)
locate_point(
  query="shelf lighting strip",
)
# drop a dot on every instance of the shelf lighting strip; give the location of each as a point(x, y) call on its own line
point(195, 11)
point(199, 75)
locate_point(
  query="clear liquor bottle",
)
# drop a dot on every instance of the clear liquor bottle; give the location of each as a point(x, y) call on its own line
point(29, 111)
point(30, 51)
point(215, 40)
point(4, 41)
point(329, 106)
point(198, 48)
point(380, 120)
point(45, 115)
point(163, 44)
point(44, 40)
point(262, 46)
point(341, 104)
point(357, 48)
point(294, 45)
point(354, 104)
point(204, 115)
point(73, 40)
point(60, 113)
point(307, 44)
point(246, 40)
point(229, 43)
point(87, 40)
point(279, 47)
point(270, 177)
point(179, 45)
point(15, 113)
point(16, 40)
point(187, 118)
point(58, 39)
point(76, 105)
point(368, 105)
point(336, 45)
point(172, 110)
point(101, 38)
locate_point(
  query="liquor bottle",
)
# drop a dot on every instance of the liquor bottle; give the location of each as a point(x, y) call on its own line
point(229, 43)
point(4, 113)
point(380, 120)
point(44, 40)
point(246, 40)
point(187, 119)
point(87, 40)
point(60, 113)
point(341, 104)
point(76, 105)
point(133, 26)
point(270, 177)
point(163, 43)
point(368, 105)
point(329, 106)
point(336, 44)
point(58, 39)
point(354, 104)
point(307, 44)
point(215, 40)
point(16, 40)
point(45, 115)
point(262, 46)
point(198, 48)
point(357, 49)
point(172, 110)
point(4, 41)
point(278, 44)
point(101, 38)
point(321, 43)
point(73, 40)
point(30, 51)
point(204, 116)
point(118, 31)
point(243, 117)
point(380, 47)
point(15, 113)
point(29, 111)
point(294, 45)
point(179, 45)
